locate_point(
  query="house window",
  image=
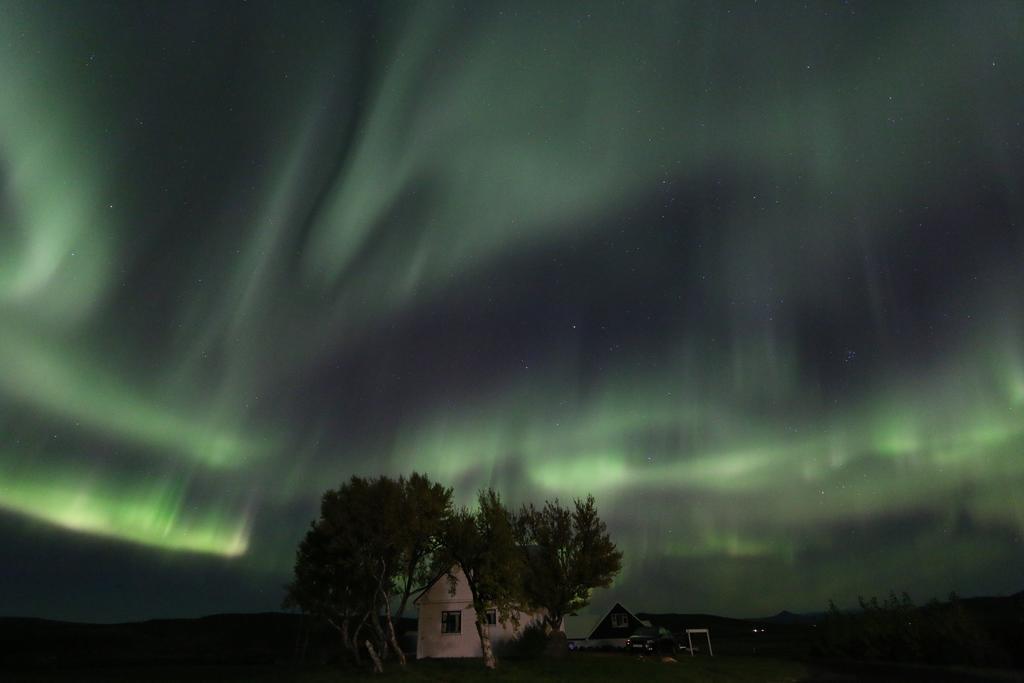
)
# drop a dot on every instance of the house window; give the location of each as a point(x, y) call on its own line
point(620, 620)
point(491, 617)
point(451, 622)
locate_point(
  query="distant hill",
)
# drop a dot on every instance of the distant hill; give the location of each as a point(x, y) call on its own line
point(680, 622)
point(784, 635)
point(220, 638)
point(262, 638)
point(787, 617)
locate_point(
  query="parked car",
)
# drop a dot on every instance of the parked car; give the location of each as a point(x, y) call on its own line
point(654, 640)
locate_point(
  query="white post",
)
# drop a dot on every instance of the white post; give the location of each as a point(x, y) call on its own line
point(706, 632)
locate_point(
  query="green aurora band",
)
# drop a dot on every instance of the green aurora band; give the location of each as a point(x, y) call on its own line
point(179, 270)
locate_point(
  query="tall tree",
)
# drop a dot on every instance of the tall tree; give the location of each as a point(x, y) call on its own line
point(482, 543)
point(325, 586)
point(373, 541)
point(425, 507)
point(567, 554)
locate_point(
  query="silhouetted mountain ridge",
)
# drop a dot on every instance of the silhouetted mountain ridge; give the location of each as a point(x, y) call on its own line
point(787, 617)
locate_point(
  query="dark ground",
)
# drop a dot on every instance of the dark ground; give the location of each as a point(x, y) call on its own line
point(578, 667)
point(289, 647)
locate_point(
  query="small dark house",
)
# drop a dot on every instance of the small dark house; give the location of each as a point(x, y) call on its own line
point(618, 624)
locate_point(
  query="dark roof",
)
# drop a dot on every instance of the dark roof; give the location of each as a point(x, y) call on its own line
point(604, 629)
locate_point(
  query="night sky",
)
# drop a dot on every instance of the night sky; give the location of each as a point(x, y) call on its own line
point(752, 273)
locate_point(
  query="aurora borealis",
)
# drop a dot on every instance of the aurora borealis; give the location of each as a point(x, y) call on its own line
point(749, 272)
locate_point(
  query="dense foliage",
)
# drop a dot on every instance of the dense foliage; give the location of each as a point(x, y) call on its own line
point(939, 633)
point(378, 541)
point(567, 553)
point(483, 543)
point(374, 541)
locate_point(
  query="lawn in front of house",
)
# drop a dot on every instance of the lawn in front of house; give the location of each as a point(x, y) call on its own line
point(611, 667)
point(587, 667)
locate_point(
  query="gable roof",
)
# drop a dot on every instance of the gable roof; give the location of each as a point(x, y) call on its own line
point(616, 608)
point(455, 568)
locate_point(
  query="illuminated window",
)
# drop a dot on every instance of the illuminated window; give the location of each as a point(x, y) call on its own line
point(451, 622)
point(620, 620)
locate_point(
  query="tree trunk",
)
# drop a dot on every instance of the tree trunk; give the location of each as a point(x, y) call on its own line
point(355, 643)
point(347, 642)
point(485, 642)
point(394, 641)
point(382, 641)
point(392, 638)
point(378, 667)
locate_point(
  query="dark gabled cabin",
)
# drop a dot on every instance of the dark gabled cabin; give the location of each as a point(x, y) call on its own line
point(618, 623)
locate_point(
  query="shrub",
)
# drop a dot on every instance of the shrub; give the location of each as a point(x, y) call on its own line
point(531, 643)
point(896, 630)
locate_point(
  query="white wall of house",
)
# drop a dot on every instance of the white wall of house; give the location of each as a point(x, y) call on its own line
point(431, 641)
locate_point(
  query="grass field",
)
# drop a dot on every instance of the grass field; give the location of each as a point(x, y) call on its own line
point(579, 667)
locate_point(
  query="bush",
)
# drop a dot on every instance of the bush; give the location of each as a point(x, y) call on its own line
point(896, 630)
point(557, 645)
point(531, 643)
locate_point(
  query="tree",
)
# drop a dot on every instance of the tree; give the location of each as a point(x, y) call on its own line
point(325, 586)
point(373, 541)
point(567, 554)
point(425, 507)
point(482, 543)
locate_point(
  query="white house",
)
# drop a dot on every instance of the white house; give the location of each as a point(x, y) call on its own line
point(447, 621)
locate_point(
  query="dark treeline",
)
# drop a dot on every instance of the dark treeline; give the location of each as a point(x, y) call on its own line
point(986, 632)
